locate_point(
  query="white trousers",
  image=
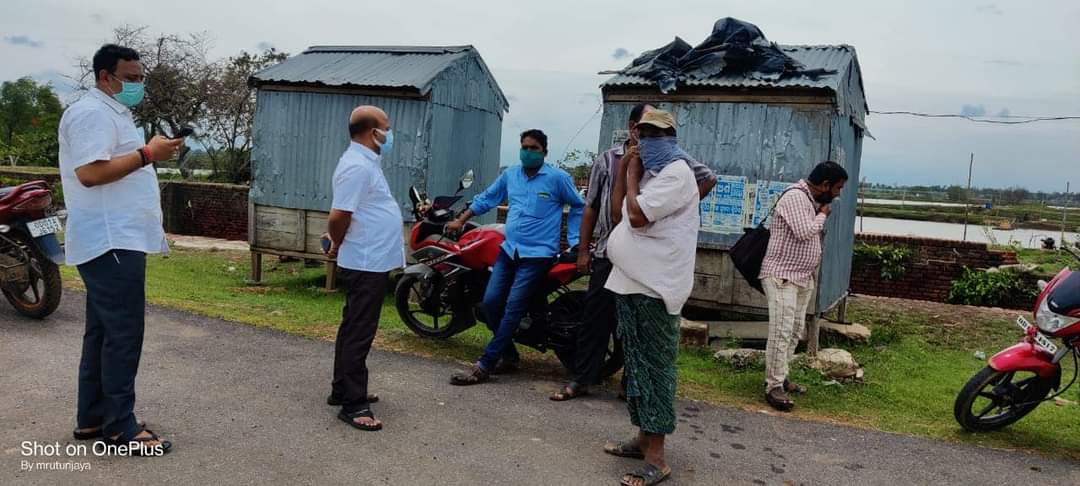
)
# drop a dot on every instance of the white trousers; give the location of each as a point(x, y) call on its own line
point(787, 326)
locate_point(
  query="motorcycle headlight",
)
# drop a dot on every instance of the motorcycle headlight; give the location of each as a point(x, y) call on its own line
point(1048, 321)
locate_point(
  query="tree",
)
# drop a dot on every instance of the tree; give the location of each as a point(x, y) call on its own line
point(956, 194)
point(29, 118)
point(230, 115)
point(1013, 195)
point(578, 163)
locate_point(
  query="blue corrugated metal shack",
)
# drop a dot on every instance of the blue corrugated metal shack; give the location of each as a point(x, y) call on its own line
point(762, 130)
point(445, 107)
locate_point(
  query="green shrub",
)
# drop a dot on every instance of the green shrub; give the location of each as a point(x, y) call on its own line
point(893, 259)
point(1005, 288)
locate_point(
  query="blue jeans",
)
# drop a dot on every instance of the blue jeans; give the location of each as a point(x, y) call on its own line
point(512, 283)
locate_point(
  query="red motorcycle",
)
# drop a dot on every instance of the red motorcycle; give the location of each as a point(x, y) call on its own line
point(441, 294)
point(30, 253)
point(1019, 378)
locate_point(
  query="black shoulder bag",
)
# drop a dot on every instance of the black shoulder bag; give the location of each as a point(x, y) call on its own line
point(749, 252)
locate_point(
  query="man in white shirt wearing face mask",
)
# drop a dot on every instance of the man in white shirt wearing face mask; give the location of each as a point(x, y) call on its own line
point(114, 221)
point(365, 231)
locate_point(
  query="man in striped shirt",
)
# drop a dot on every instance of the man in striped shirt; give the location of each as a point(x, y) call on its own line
point(787, 273)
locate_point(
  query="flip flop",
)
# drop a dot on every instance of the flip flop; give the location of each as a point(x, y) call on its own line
point(142, 450)
point(350, 418)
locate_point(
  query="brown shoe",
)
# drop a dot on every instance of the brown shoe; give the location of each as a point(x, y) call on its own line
point(474, 376)
point(779, 400)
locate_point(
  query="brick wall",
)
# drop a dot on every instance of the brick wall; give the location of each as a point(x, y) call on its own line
point(190, 208)
point(202, 209)
point(933, 267)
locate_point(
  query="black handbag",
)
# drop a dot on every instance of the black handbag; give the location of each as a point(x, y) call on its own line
point(749, 252)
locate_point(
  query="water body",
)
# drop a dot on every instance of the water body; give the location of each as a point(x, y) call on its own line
point(951, 231)
point(898, 202)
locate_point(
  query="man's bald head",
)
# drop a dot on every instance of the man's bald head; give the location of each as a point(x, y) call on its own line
point(364, 120)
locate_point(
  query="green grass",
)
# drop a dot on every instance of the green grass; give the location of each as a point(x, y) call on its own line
point(31, 170)
point(1049, 262)
point(920, 356)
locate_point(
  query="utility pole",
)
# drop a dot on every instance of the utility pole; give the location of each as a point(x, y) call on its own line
point(967, 195)
point(1064, 213)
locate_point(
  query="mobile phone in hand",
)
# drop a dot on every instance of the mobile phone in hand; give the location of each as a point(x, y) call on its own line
point(181, 133)
point(325, 241)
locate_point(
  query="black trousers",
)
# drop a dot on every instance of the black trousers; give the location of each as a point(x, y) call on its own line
point(364, 295)
point(112, 344)
point(599, 324)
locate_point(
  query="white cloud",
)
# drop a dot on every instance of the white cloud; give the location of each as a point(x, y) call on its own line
point(22, 40)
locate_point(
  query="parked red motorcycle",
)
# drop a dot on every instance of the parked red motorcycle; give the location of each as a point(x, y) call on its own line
point(1019, 378)
point(441, 294)
point(29, 249)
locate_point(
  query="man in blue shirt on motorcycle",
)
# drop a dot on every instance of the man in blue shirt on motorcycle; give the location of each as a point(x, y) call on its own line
point(537, 193)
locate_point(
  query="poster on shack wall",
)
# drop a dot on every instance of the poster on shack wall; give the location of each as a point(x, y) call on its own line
point(736, 203)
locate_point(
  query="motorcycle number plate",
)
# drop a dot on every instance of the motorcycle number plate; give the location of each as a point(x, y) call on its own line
point(44, 227)
point(1040, 338)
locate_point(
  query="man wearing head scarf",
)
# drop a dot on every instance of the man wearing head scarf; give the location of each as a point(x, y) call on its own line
point(652, 250)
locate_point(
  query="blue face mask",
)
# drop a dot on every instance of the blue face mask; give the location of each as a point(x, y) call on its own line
point(388, 145)
point(658, 152)
point(530, 159)
point(130, 94)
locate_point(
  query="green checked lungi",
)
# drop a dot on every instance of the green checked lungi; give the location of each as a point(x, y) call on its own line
point(650, 338)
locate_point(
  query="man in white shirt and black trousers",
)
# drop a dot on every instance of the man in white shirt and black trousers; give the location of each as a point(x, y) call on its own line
point(114, 221)
point(365, 231)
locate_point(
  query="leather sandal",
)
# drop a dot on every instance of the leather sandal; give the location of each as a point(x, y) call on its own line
point(624, 449)
point(779, 400)
point(649, 474)
point(474, 376)
point(570, 391)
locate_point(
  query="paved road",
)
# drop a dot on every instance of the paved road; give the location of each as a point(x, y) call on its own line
point(245, 406)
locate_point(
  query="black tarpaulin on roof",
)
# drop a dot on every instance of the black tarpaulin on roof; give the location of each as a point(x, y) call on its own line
point(734, 47)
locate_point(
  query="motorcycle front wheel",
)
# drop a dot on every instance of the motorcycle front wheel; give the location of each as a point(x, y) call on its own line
point(425, 310)
point(993, 399)
point(570, 308)
point(41, 296)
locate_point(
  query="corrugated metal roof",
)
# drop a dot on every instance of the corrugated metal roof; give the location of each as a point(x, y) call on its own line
point(846, 83)
point(407, 67)
point(836, 58)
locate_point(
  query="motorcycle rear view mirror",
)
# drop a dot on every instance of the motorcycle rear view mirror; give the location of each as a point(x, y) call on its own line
point(466, 181)
point(414, 195)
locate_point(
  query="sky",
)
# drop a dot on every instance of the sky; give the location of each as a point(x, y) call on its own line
point(958, 57)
